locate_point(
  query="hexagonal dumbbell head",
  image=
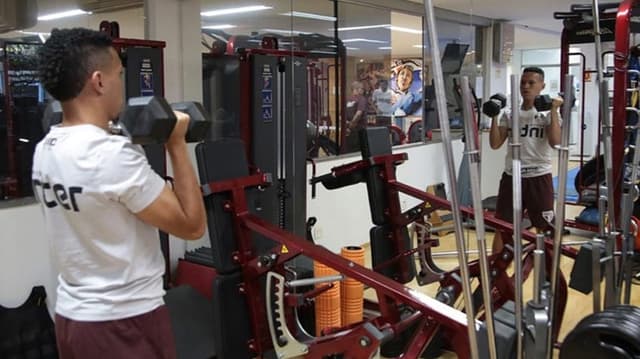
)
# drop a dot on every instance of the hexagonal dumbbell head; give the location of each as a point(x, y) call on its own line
point(496, 103)
point(147, 120)
point(542, 103)
point(199, 122)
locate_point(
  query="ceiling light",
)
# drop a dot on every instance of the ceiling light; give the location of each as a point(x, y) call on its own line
point(219, 27)
point(384, 48)
point(235, 10)
point(309, 15)
point(364, 40)
point(363, 27)
point(285, 32)
point(420, 46)
point(405, 29)
point(60, 15)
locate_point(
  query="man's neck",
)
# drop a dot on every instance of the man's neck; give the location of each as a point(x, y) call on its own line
point(82, 111)
point(526, 105)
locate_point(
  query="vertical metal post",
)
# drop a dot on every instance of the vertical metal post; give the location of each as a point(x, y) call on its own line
point(516, 188)
point(473, 156)
point(603, 95)
point(538, 269)
point(563, 160)
point(629, 196)
point(441, 105)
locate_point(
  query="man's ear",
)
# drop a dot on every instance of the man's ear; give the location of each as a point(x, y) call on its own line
point(96, 81)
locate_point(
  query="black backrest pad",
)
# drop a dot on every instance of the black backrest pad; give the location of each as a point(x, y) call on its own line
point(375, 141)
point(221, 160)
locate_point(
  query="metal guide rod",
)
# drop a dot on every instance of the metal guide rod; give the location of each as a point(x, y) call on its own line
point(628, 198)
point(610, 236)
point(609, 260)
point(538, 269)
point(441, 106)
point(317, 280)
point(516, 190)
point(608, 156)
point(563, 161)
point(473, 156)
point(603, 91)
point(597, 247)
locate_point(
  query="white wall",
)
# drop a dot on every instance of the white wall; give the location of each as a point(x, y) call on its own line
point(343, 214)
point(24, 258)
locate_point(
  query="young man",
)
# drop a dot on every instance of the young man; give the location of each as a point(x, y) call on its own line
point(539, 132)
point(102, 204)
point(356, 114)
point(382, 98)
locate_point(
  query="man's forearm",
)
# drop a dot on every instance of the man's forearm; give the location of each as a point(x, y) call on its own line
point(495, 138)
point(186, 185)
point(554, 130)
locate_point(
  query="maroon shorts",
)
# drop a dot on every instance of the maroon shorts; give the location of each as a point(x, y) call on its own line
point(537, 200)
point(147, 335)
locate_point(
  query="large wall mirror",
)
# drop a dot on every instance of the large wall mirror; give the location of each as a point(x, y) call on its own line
point(22, 99)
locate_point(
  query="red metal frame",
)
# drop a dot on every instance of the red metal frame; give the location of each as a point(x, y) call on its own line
point(428, 311)
point(431, 313)
point(620, 98)
point(620, 95)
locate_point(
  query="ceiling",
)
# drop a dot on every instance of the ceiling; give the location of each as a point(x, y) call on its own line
point(535, 26)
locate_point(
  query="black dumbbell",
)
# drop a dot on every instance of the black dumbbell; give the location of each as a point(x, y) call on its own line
point(199, 123)
point(496, 103)
point(544, 102)
point(146, 120)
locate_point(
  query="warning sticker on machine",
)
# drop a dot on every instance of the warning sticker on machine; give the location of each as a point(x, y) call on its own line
point(267, 94)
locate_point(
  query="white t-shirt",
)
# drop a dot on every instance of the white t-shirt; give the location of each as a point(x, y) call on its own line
point(89, 184)
point(535, 152)
point(382, 100)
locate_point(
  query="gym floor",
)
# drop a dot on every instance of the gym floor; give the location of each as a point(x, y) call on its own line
point(578, 305)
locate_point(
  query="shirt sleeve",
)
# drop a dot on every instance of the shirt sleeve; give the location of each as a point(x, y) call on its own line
point(128, 178)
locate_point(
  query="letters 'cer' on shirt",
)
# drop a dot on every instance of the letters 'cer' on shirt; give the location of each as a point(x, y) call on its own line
point(90, 184)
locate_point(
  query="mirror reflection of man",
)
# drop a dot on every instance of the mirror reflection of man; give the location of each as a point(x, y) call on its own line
point(356, 116)
point(382, 98)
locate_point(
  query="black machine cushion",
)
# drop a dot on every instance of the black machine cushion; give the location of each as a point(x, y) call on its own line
point(219, 160)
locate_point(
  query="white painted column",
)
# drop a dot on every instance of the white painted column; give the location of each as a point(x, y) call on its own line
point(177, 22)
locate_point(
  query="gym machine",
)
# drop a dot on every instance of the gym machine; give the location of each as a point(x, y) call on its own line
point(21, 106)
point(615, 25)
point(613, 249)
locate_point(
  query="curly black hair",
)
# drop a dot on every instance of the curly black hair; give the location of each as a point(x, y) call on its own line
point(68, 58)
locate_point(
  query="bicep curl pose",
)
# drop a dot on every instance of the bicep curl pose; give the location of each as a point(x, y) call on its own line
point(103, 204)
point(539, 133)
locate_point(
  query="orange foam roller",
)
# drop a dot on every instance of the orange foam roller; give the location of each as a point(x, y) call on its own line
point(352, 290)
point(327, 304)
